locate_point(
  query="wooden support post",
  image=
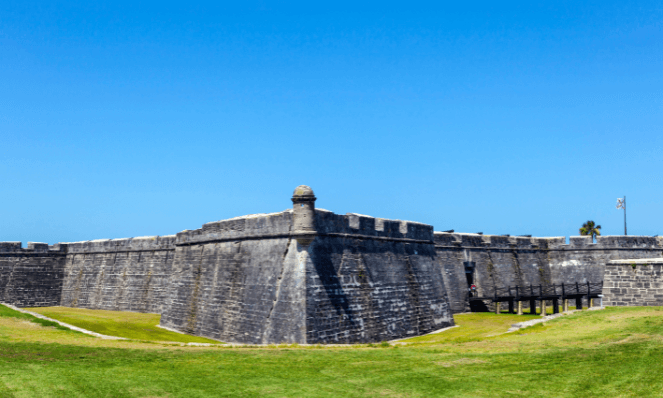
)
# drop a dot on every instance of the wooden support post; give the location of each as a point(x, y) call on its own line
point(590, 303)
point(497, 307)
point(543, 308)
point(555, 306)
point(520, 307)
point(511, 306)
point(532, 307)
point(566, 305)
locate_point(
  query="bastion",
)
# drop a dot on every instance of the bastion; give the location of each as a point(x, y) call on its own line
point(306, 275)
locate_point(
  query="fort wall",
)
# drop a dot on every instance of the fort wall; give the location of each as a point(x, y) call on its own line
point(120, 274)
point(633, 282)
point(239, 280)
point(372, 279)
point(501, 261)
point(31, 277)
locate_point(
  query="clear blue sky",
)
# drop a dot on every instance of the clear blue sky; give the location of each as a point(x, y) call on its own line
point(148, 118)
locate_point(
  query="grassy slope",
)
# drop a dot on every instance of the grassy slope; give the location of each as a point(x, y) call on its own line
point(132, 325)
point(611, 353)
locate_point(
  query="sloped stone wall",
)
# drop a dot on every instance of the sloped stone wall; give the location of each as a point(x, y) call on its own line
point(31, 277)
point(121, 275)
point(373, 280)
point(239, 280)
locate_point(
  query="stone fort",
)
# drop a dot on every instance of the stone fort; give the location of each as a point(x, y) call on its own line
point(306, 275)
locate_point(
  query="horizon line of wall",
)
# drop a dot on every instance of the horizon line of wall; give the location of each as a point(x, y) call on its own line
point(455, 239)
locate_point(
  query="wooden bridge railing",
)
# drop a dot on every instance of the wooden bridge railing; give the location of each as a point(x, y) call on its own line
point(543, 293)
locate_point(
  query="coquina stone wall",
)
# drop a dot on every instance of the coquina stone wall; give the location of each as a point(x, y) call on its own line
point(31, 277)
point(371, 279)
point(120, 274)
point(633, 282)
point(501, 261)
point(239, 280)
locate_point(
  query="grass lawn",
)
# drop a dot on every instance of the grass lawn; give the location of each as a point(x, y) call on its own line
point(617, 352)
point(131, 325)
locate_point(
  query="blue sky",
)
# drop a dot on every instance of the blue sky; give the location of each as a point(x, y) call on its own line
point(134, 119)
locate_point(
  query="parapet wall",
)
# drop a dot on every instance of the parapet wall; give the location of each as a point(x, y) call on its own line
point(31, 277)
point(331, 224)
point(501, 261)
point(633, 282)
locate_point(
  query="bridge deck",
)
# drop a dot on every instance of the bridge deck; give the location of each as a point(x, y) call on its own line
point(543, 293)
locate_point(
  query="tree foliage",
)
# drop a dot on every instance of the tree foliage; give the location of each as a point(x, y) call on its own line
point(590, 228)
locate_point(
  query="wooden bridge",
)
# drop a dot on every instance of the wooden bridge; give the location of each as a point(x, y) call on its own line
point(516, 295)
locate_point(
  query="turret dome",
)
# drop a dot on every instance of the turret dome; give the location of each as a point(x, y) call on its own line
point(303, 191)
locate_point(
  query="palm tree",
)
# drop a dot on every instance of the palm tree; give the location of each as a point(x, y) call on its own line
point(590, 228)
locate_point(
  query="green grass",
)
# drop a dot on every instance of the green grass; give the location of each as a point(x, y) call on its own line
point(131, 325)
point(10, 313)
point(617, 352)
point(549, 309)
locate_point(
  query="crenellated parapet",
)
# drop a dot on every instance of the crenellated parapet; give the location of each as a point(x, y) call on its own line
point(143, 243)
point(480, 241)
point(362, 226)
point(497, 242)
point(554, 242)
point(630, 242)
point(36, 248)
point(281, 225)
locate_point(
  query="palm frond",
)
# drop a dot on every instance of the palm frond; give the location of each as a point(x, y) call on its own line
point(590, 228)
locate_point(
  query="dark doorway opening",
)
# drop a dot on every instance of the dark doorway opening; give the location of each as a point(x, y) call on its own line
point(475, 305)
point(469, 275)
